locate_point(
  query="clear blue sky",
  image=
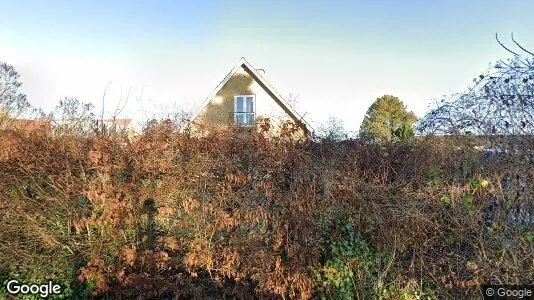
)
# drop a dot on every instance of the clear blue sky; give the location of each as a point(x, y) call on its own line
point(337, 56)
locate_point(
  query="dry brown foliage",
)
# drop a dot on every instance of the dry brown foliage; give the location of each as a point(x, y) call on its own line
point(236, 213)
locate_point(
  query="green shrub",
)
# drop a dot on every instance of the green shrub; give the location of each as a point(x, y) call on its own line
point(352, 267)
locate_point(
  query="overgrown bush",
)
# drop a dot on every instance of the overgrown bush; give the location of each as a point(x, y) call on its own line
point(234, 213)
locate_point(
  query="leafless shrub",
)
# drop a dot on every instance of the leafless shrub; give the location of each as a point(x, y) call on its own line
point(498, 106)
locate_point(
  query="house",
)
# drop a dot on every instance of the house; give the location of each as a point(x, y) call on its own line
point(245, 98)
point(117, 123)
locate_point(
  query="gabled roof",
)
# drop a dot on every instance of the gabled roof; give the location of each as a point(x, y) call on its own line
point(243, 63)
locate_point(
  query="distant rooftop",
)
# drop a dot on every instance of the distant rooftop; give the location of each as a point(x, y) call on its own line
point(119, 122)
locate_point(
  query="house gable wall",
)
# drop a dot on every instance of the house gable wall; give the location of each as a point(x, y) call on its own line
point(219, 110)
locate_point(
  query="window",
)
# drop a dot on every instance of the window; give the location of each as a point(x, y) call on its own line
point(245, 109)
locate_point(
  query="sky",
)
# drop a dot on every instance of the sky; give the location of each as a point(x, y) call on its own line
point(153, 57)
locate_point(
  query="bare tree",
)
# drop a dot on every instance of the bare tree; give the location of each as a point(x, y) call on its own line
point(499, 103)
point(73, 115)
point(12, 101)
point(333, 129)
point(293, 99)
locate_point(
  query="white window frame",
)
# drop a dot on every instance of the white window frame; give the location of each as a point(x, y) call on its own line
point(245, 108)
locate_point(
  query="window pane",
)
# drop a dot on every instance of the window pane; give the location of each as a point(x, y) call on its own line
point(250, 104)
point(240, 118)
point(250, 118)
point(240, 104)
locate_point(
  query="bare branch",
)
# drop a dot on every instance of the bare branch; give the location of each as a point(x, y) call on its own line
point(521, 47)
point(119, 110)
point(103, 105)
point(502, 45)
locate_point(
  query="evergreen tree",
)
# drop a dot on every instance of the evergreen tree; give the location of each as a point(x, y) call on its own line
point(387, 119)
